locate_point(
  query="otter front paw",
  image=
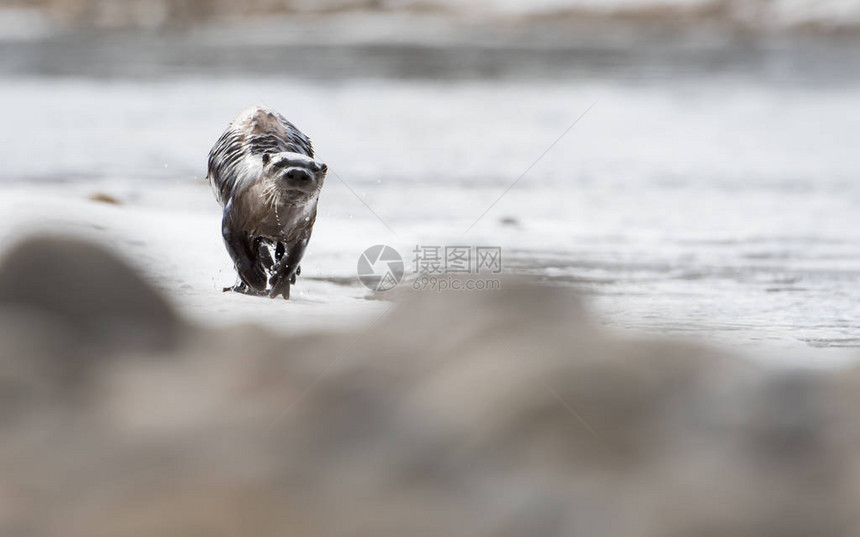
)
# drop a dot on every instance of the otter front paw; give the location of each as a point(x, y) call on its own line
point(253, 276)
point(243, 288)
point(281, 280)
point(280, 290)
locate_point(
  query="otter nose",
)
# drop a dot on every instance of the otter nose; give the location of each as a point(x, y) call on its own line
point(299, 175)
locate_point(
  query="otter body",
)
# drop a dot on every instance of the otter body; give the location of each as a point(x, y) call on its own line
point(265, 177)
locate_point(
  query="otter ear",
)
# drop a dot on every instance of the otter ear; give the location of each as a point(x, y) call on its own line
point(266, 158)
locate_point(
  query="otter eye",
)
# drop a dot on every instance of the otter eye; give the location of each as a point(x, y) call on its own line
point(266, 158)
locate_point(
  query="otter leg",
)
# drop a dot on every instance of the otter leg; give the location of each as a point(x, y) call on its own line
point(239, 246)
point(285, 270)
point(280, 250)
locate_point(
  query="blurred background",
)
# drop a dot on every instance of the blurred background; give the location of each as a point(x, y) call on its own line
point(683, 167)
point(710, 189)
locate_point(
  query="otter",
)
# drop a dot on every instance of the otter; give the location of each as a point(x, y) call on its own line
point(265, 177)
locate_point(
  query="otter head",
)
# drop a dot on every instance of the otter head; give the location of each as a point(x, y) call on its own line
point(293, 173)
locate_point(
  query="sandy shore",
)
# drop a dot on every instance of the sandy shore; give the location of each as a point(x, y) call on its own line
point(171, 234)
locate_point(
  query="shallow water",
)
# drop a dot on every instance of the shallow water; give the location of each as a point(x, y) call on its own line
point(720, 207)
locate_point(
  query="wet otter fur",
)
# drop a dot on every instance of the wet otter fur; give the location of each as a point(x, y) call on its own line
point(265, 177)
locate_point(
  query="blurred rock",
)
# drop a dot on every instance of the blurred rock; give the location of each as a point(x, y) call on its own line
point(97, 297)
point(493, 413)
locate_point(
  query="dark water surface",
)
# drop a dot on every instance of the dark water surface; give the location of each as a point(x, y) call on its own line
point(656, 56)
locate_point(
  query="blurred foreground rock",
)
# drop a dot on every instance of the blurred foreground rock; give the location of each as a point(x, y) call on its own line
point(503, 413)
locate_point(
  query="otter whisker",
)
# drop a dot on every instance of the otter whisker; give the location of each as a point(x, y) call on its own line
point(271, 195)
